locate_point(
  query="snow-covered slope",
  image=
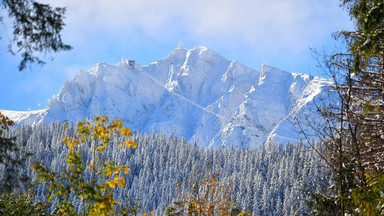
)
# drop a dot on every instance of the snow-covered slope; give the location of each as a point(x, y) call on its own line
point(193, 93)
point(24, 117)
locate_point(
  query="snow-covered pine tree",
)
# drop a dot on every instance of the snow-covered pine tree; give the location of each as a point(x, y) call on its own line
point(259, 178)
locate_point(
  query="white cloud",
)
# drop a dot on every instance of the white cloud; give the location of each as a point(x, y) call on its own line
point(278, 28)
point(279, 23)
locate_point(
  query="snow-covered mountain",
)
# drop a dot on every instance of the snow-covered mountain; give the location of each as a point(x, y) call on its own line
point(192, 93)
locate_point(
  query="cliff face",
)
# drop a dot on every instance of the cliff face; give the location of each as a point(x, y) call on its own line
point(193, 93)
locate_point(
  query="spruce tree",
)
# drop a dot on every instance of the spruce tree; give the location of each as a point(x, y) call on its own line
point(354, 116)
point(36, 29)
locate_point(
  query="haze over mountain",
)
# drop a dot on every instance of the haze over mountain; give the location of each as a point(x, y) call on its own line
point(192, 93)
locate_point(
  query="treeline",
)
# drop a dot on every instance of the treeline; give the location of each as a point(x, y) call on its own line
point(270, 180)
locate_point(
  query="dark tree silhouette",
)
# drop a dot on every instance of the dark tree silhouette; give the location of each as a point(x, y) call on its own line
point(36, 30)
point(11, 157)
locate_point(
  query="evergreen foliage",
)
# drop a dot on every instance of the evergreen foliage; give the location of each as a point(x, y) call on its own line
point(366, 41)
point(21, 204)
point(36, 29)
point(270, 180)
point(11, 157)
point(354, 117)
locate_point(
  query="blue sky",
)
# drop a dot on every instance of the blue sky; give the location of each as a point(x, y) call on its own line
point(253, 32)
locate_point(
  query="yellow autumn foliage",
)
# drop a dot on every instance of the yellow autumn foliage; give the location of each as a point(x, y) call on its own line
point(96, 195)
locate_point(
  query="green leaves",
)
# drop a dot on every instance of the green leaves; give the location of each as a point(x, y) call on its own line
point(11, 156)
point(367, 39)
point(354, 142)
point(96, 193)
point(21, 204)
point(369, 199)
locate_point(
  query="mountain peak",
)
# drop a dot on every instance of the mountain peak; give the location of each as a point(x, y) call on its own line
point(194, 93)
point(199, 51)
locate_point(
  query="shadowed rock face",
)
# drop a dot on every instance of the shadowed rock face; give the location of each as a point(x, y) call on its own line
point(192, 93)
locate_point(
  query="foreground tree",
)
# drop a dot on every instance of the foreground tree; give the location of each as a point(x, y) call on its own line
point(36, 29)
point(11, 157)
point(204, 195)
point(367, 50)
point(71, 183)
point(353, 136)
point(334, 127)
point(21, 204)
